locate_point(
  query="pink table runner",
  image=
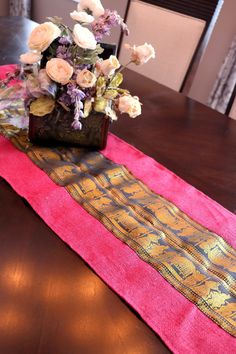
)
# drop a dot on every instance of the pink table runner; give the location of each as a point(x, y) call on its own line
point(181, 325)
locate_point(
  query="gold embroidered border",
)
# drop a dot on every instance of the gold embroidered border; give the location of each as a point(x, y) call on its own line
point(198, 263)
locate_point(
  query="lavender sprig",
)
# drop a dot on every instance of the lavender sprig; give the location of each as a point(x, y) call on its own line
point(77, 125)
point(65, 40)
point(103, 25)
point(76, 96)
point(75, 93)
point(63, 52)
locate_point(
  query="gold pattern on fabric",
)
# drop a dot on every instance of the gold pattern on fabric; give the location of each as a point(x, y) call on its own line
point(198, 263)
point(12, 111)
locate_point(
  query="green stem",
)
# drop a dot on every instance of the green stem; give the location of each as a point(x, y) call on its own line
point(122, 67)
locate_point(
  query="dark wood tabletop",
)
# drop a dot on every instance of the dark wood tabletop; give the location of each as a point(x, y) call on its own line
point(51, 302)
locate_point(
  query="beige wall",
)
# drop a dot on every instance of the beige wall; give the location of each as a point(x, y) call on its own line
point(62, 8)
point(3, 7)
point(216, 51)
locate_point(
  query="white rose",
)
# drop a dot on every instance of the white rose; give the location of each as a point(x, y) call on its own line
point(109, 66)
point(59, 70)
point(42, 36)
point(30, 58)
point(82, 17)
point(83, 37)
point(86, 79)
point(94, 6)
point(130, 105)
point(142, 54)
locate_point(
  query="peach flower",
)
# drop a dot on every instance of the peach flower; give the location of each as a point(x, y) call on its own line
point(59, 70)
point(86, 79)
point(30, 58)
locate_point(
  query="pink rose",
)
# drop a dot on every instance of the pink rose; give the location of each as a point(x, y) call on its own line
point(141, 54)
point(108, 66)
point(130, 105)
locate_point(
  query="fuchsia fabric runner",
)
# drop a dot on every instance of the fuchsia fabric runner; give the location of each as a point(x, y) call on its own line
point(183, 327)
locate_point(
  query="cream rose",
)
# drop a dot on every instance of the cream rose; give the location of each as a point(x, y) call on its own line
point(59, 70)
point(82, 17)
point(83, 37)
point(30, 58)
point(86, 79)
point(94, 6)
point(108, 66)
point(42, 36)
point(142, 54)
point(130, 105)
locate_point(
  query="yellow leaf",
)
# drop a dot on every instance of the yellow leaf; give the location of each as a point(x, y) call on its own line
point(110, 94)
point(117, 80)
point(87, 107)
point(100, 104)
point(100, 86)
point(42, 106)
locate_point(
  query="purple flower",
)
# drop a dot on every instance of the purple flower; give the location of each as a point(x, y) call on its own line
point(76, 96)
point(75, 93)
point(64, 52)
point(65, 99)
point(65, 40)
point(77, 125)
point(103, 25)
point(78, 114)
point(124, 27)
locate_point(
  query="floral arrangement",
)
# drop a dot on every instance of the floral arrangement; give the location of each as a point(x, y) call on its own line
point(64, 67)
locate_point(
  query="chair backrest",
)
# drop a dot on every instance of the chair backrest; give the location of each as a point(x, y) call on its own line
point(175, 36)
point(231, 109)
point(232, 113)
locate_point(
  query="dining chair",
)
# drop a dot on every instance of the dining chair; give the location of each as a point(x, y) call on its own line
point(231, 109)
point(176, 29)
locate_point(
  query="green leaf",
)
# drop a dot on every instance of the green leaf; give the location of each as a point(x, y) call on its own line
point(117, 80)
point(86, 56)
point(55, 19)
point(99, 49)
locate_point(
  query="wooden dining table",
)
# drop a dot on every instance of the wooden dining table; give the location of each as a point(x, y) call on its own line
point(51, 301)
